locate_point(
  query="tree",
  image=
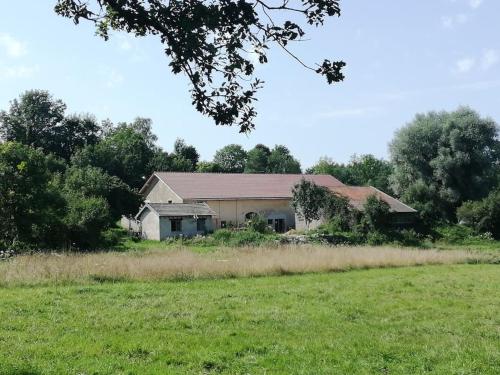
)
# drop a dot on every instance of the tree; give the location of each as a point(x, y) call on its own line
point(444, 159)
point(209, 42)
point(367, 170)
point(326, 165)
point(258, 159)
point(86, 218)
point(208, 167)
point(364, 170)
point(30, 206)
point(231, 158)
point(376, 214)
point(94, 182)
point(483, 215)
point(37, 119)
point(126, 152)
point(281, 161)
point(338, 209)
point(308, 200)
point(187, 152)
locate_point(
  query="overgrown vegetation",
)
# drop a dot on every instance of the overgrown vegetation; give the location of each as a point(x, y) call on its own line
point(66, 179)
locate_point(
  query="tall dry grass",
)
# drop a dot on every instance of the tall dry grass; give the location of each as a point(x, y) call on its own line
point(241, 262)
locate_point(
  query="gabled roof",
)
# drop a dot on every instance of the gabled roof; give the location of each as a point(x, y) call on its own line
point(178, 209)
point(206, 186)
point(358, 195)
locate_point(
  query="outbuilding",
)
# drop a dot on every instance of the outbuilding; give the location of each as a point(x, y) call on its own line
point(162, 220)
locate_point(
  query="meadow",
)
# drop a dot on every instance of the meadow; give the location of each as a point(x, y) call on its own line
point(251, 310)
point(434, 319)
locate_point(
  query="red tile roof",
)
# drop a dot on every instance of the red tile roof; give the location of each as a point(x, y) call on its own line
point(200, 186)
point(358, 195)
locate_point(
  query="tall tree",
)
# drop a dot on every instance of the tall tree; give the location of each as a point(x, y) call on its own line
point(326, 165)
point(282, 161)
point(209, 42)
point(30, 206)
point(258, 159)
point(187, 152)
point(127, 152)
point(231, 158)
point(443, 159)
point(37, 119)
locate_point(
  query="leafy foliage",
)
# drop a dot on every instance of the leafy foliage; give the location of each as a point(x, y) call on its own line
point(29, 203)
point(281, 161)
point(308, 200)
point(376, 215)
point(444, 159)
point(209, 41)
point(483, 215)
point(364, 170)
point(38, 120)
point(231, 158)
point(258, 159)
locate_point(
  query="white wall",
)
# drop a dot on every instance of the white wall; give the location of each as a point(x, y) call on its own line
point(150, 223)
point(161, 193)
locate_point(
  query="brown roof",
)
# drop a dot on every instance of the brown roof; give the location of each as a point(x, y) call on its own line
point(231, 186)
point(358, 195)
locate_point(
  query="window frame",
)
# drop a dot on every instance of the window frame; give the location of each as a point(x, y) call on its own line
point(177, 223)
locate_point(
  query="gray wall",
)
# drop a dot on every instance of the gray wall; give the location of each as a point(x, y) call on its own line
point(188, 227)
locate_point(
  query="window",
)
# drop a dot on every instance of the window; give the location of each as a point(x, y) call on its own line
point(250, 215)
point(270, 222)
point(169, 201)
point(223, 224)
point(175, 225)
point(201, 225)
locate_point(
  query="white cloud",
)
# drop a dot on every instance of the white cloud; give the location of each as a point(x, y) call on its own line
point(113, 78)
point(465, 65)
point(12, 46)
point(490, 58)
point(450, 22)
point(475, 3)
point(20, 71)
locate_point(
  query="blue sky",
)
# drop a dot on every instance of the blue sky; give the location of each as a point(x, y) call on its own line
point(403, 57)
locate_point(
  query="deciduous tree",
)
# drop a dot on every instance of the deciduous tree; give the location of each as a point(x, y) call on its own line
point(211, 41)
point(444, 159)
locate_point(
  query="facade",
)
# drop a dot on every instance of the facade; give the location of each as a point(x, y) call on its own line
point(228, 200)
point(162, 220)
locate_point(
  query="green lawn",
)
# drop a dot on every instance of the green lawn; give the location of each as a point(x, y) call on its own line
point(430, 319)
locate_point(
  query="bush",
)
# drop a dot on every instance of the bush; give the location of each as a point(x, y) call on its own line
point(257, 224)
point(483, 215)
point(376, 238)
point(222, 235)
point(455, 234)
point(241, 237)
point(376, 215)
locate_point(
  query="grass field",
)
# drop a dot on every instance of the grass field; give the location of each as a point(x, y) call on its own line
point(416, 320)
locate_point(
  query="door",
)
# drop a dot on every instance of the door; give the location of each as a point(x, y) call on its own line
point(279, 225)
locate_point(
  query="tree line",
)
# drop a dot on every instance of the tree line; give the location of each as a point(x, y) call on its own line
point(65, 179)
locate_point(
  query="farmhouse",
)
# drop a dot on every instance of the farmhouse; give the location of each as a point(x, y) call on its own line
point(196, 203)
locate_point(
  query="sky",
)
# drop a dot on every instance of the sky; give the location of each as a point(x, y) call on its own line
point(403, 57)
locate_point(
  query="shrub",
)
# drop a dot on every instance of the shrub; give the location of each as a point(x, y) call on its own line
point(483, 215)
point(376, 214)
point(376, 238)
point(258, 224)
point(222, 235)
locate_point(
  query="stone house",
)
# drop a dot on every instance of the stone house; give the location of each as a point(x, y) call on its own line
point(194, 203)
